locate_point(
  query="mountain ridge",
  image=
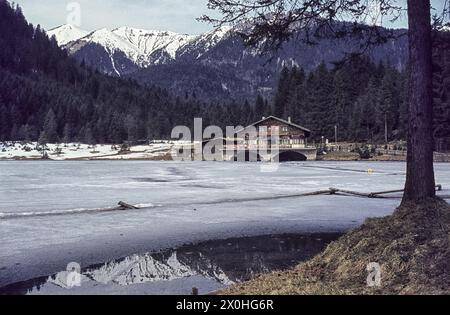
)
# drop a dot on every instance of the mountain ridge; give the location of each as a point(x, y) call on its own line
point(213, 65)
point(141, 47)
point(67, 33)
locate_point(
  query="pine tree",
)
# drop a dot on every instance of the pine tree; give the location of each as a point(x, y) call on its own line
point(441, 92)
point(131, 128)
point(67, 133)
point(282, 93)
point(116, 129)
point(15, 133)
point(51, 127)
point(42, 142)
point(43, 139)
point(296, 99)
point(319, 103)
point(4, 123)
point(342, 104)
point(368, 104)
point(387, 113)
point(89, 137)
point(23, 133)
point(259, 107)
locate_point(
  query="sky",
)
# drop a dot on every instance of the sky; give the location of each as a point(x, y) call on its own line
point(169, 15)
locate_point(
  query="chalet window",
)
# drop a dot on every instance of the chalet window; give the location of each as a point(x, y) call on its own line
point(285, 129)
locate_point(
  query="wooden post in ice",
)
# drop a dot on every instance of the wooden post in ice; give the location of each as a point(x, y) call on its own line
point(127, 206)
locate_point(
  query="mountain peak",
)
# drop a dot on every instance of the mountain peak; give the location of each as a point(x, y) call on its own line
point(149, 41)
point(140, 46)
point(142, 31)
point(67, 33)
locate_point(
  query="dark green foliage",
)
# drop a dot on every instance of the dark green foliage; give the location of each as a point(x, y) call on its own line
point(364, 100)
point(44, 92)
point(364, 153)
point(47, 95)
point(441, 91)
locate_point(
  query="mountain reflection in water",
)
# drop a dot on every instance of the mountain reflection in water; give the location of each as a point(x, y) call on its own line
point(207, 266)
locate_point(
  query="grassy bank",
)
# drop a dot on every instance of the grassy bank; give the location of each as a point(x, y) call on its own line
point(412, 246)
point(352, 156)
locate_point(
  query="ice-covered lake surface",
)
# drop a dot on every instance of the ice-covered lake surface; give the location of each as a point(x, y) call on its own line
point(48, 214)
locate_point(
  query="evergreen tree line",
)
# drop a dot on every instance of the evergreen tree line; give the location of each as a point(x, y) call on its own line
point(441, 91)
point(359, 98)
point(49, 96)
point(46, 94)
point(362, 100)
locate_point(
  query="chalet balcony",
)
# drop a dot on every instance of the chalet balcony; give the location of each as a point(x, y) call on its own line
point(293, 146)
point(262, 146)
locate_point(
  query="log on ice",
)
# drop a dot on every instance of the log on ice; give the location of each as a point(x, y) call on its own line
point(126, 206)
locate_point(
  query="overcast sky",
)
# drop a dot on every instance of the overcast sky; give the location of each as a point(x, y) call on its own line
point(172, 15)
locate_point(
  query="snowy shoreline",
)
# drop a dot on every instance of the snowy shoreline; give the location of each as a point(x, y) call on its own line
point(31, 151)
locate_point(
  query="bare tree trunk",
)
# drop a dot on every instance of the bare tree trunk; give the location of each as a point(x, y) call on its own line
point(420, 183)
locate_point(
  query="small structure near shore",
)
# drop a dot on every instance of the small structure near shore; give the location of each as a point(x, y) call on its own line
point(270, 139)
point(290, 139)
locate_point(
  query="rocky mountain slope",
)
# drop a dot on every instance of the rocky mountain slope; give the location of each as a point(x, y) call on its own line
point(215, 64)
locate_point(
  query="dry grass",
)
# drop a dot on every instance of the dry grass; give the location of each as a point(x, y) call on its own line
point(351, 156)
point(412, 246)
point(164, 157)
point(339, 156)
point(401, 158)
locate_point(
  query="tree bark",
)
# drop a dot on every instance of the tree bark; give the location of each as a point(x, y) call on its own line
point(420, 182)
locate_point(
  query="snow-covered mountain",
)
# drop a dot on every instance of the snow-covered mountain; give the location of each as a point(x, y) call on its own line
point(150, 41)
point(215, 64)
point(120, 51)
point(203, 43)
point(124, 50)
point(67, 33)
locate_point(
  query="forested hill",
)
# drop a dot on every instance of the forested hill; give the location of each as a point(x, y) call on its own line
point(46, 94)
point(362, 98)
point(216, 64)
point(43, 90)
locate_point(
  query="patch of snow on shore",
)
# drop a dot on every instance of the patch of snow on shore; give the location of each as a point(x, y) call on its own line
point(71, 151)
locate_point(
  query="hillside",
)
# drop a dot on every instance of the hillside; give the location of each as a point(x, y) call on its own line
point(47, 95)
point(45, 92)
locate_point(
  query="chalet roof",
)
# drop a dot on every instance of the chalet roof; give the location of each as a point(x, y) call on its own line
point(282, 121)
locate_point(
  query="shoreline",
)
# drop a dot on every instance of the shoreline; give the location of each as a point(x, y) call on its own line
point(166, 160)
point(408, 248)
point(158, 151)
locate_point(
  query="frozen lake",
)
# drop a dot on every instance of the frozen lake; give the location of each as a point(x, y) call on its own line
point(207, 266)
point(48, 216)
